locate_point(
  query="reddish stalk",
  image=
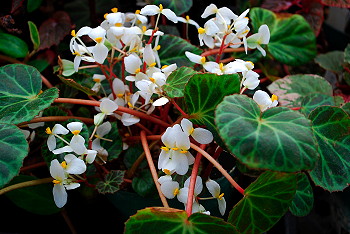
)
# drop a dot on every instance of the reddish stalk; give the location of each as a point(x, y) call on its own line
point(219, 167)
point(178, 108)
point(218, 56)
point(193, 181)
point(33, 166)
point(227, 50)
point(152, 168)
point(57, 118)
point(295, 108)
point(216, 155)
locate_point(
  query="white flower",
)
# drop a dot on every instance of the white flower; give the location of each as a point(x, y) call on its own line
point(81, 32)
point(77, 142)
point(132, 64)
point(119, 91)
point(79, 51)
point(136, 18)
point(260, 38)
point(207, 33)
point(224, 14)
point(187, 20)
point(107, 107)
point(147, 88)
point(201, 135)
point(97, 78)
point(195, 58)
point(51, 140)
point(170, 189)
point(101, 131)
point(183, 193)
point(214, 189)
point(264, 101)
point(73, 165)
point(99, 51)
point(251, 80)
point(153, 10)
point(220, 68)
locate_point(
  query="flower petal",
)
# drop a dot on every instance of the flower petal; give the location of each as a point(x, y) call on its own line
point(213, 187)
point(59, 195)
point(202, 135)
point(168, 188)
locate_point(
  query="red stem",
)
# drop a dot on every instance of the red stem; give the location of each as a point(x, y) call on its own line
point(216, 155)
point(221, 49)
point(227, 50)
point(178, 108)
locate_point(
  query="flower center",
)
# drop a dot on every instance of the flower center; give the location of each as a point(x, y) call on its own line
point(274, 98)
point(187, 18)
point(166, 171)
point(220, 196)
point(152, 64)
point(203, 59)
point(201, 30)
point(76, 132)
point(114, 10)
point(64, 164)
point(137, 12)
point(118, 24)
point(176, 191)
point(160, 7)
point(73, 33)
point(48, 131)
point(98, 39)
point(56, 181)
point(164, 148)
point(152, 79)
point(97, 80)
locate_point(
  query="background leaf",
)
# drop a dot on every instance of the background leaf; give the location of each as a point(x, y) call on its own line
point(331, 127)
point(14, 148)
point(169, 220)
point(34, 34)
point(115, 147)
point(331, 61)
point(279, 139)
point(112, 182)
point(336, 3)
point(314, 100)
point(304, 198)
point(347, 54)
point(177, 6)
point(265, 201)
point(19, 93)
point(177, 80)
point(32, 5)
point(143, 184)
point(13, 46)
point(292, 89)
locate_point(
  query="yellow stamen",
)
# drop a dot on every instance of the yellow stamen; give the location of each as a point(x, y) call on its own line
point(98, 39)
point(56, 181)
point(164, 148)
point(114, 10)
point(138, 22)
point(220, 196)
point(250, 62)
point(144, 29)
point(221, 66)
point(105, 15)
point(130, 105)
point(97, 80)
point(175, 148)
point(246, 18)
point(176, 191)
point(203, 59)
point(137, 70)
point(191, 131)
point(97, 136)
point(245, 31)
point(183, 151)
point(48, 131)
point(166, 171)
point(274, 97)
point(158, 47)
point(201, 30)
point(160, 7)
point(137, 12)
point(165, 66)
point(64, 164)
point(76, 132)
point(187, 18)
point(76, 53)
point(127, 134)
point(73, 33)
point(118, 24)
point(152, 79)
point(120, 95)
point(152, 64)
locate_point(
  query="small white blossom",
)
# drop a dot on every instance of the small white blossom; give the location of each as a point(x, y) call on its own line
point(264, 101)
point(214, 189)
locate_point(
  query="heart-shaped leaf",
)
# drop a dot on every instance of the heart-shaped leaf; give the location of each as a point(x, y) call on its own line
point(331, 127)
point(36, 199)
point(20, 95)
point(111, 183)
point(314, 100)
point(279, 139)
point(331, 61)
point(169, 220)
point(292, 89)
point(14, 148)
point(292, 40)
point(265, 201)
point(177, 80)
point(173, 48)
point(13, 46)
point(177, 6)
point(304, 198)
point(204, 92)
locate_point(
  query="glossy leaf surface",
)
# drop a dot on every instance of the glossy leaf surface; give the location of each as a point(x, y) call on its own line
point(304, 198)
point(13, 46)
point(177, 80)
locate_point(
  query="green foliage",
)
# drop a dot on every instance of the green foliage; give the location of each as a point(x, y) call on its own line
point(39, 64)
point(168, 220)
point(177, 80)
point(34, 34)
point(265, 201)
point(278, 139)
point(36, 199)
point(292, 40)
point(173, 50)
point(143, 184)
point(331, 61)
point(14, 148)
point(13, 46)
point(331, 128)
point(116, 146)
point(314, 100)
point(304, 199)
point(292, 89)
point(112, 182)
point(20, 93)
point(177, 6)
point(32, 5)
point(72, 83)
point(347, 54)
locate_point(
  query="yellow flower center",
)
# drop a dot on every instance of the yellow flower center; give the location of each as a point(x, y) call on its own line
point(160, 7)
point(152, 79)
point(201, 30)
point(137, 70)
point(183, 151)
point(98, 39)
point(220, 196)
point(97, 80)
point(250, 62)
point(158, 47)
point(120, 95)
point(175, 148)
point(221, 66)
point(274, 98)
point(137, 12)
point(144, 29)
point(118, 24)
point(73, 33)
point(48, 131)
point(114, 10)
point(76, 53)
point(153, 64)
point(105, 15)
point(56, 181)
point(76, 132)
point(203, 60)
point(187, 18)
point(191, 131)
point(64, 164)
point(130, 105)
point(164, 148)
point(176, 191)
point(166, 171)
point(165, 66)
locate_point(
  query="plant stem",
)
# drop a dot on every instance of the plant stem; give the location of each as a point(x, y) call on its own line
point(25, 184)
point(227, 50)
point(152, 167)
point(218, 56)
point(56, 118)
point(219, 167)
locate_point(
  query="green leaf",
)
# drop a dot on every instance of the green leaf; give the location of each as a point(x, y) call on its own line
point(19, 94)
point(177, 80)
point(169, 220)
point(132, 154)
point(346, 107)
point(331, 127)
point(336, 3)
point(177, 6)
point(303, 201)
point(36, 199)
point(292, 89)
point(331, 61)
point(265, 201)
point(347, 54)
point(32, 5)
point(115, 147)
point(72, 83)
point(314, 100)
point(14, 148)
point(39, 64)
point(34, 35)
point(68, 67)
point(112, 182)
point(143, 184)
point(13, 46)
point(173, 49)
point(279, 139)
point(204, 92)
point(292, 40)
